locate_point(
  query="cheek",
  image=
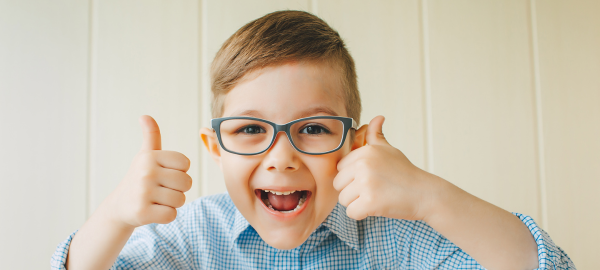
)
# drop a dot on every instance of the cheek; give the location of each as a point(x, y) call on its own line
point(237, 171)
point(324, 170)
point(328, 164)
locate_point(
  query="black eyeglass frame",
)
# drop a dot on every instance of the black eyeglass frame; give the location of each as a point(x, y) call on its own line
point(348, 123)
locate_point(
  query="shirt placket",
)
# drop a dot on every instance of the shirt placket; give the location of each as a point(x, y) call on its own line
point(287, 259)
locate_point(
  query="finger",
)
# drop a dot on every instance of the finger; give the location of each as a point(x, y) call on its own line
point(172, 160)
point(375, 131)
point(349, 194)
point(150, 132)
point(161, 214)
point(175, 179)
point(168, 197)
point(357, 210)
point(350, 158)
point(343, 178)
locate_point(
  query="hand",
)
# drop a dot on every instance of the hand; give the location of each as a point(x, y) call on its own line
point(378, 180)
point(154, 185)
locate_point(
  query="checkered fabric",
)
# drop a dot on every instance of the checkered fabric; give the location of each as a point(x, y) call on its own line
point(210, 233)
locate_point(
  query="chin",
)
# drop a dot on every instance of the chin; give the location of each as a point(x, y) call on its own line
point(283, 238)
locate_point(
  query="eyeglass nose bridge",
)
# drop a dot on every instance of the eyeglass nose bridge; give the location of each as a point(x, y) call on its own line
point(285, 128)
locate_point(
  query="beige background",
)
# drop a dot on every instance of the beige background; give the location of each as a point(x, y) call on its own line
point(499, 97)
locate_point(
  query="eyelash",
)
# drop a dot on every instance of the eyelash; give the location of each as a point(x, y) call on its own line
point(323, 129)
point(254, 126)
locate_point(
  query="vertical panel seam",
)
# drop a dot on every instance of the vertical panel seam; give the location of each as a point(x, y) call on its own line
point(200, 96)
point(205, 92)
point(542, 184)
point(426, 77)
point(313, 7)
point(88, 164)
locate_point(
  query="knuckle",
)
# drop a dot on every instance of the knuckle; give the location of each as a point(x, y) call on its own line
point(179, 201)
point(188, 163)
point(149, 175)
point(364, 181)
point(368, 198)
point(342, 200)
point(336, 186)
point(180, 157)
point(182, 200)
point(188, 183)
point(145, 194)
point(346, 203)
point(363, 163)
point(168, 216)
point(350, 213)
point(374, 150)
point(141, 215)
point(336, 183)
point(147, 155)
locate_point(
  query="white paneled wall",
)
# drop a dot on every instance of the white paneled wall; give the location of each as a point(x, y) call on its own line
point(43, 128)
point(568, 50)
point(145, 60)
point(387, 51)
point(499, 97)
point(482, 100)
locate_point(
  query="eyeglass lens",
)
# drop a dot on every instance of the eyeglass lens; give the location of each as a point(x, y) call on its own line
point(248, 136)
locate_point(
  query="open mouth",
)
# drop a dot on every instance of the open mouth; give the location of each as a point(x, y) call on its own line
point(283, 201)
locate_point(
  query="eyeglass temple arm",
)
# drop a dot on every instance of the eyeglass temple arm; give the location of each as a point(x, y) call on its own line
point(354, 124)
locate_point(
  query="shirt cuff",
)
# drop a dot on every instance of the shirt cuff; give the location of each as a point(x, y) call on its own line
point(59, 258)
point(550, 256)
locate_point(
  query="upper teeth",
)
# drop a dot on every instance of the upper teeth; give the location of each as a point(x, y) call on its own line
point(281, 193)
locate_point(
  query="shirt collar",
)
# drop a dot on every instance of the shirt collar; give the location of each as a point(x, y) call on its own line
point(338, 222)
point(344, 227)
point(240, 224)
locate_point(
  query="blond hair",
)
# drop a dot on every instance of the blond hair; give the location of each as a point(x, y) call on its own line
point(278, 38)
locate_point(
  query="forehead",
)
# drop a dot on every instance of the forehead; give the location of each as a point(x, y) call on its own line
point(286, 92)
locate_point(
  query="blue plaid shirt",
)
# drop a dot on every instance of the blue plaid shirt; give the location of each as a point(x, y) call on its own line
point(210, 233)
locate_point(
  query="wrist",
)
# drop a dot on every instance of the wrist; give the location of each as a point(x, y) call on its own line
point(441, 198)
point(107, 214)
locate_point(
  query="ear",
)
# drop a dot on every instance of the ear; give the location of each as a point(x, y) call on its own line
point(209, 137)
point(360, 138)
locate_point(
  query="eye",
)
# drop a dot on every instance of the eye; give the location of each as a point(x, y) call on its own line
point(315, 130)
point(251, 129)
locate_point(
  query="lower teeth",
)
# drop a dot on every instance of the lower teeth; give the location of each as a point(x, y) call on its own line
point(300, 202)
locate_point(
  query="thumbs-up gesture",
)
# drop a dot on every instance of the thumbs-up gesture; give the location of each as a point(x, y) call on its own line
point(154, 185)
point(378, 180)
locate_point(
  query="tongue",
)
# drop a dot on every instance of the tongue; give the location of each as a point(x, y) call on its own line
point(284, 202)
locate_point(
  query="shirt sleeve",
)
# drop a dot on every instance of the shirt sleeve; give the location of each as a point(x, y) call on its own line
point(59, 258)
point(155, 246)
point(422, 247)
point(550, 256)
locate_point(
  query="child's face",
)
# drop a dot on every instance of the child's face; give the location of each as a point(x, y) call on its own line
point(282, 94)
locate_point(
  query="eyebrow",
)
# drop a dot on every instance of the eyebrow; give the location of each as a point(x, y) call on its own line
point(305, 113)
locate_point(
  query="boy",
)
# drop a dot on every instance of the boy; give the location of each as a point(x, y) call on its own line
point(318, 192)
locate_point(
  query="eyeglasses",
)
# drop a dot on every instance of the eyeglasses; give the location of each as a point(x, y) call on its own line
point(316, 135)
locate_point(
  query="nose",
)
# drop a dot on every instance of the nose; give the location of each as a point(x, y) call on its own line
point(282, 156)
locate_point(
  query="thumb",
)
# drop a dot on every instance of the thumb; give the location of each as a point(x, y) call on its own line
point(375, 131)
point(151, 133)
